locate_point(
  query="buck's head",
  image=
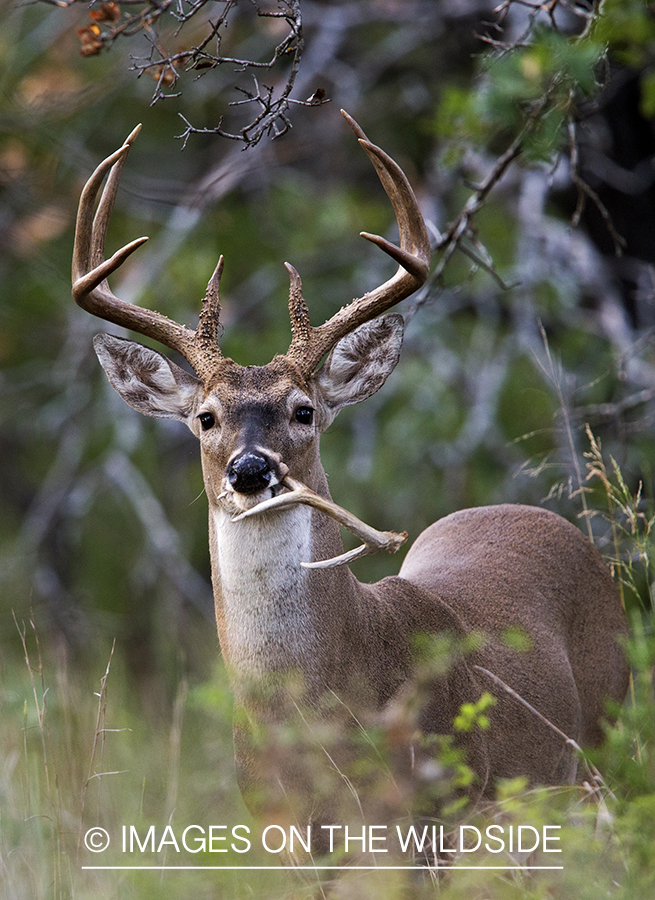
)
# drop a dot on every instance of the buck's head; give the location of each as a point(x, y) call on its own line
point(256, 424)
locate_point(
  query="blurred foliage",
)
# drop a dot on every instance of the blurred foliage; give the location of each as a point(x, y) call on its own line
point(103, 522)
point(535, 87)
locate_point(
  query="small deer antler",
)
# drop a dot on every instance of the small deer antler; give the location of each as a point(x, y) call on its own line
point(90, 271)
point(309, 345)
point(299, 493)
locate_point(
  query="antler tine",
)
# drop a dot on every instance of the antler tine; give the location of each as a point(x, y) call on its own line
point(309, 345)
point(209, 321)
point(301, 327)
point(90, 232)
point(107, 199)
point(90, 272)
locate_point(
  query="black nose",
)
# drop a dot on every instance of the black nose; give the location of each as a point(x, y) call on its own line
point(249, 473)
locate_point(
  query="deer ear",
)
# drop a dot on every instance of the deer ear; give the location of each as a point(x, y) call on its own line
point(145, 379)
point(360, 363)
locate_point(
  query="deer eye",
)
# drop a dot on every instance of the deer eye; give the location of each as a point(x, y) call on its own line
point(304, 415)
point(207, 421)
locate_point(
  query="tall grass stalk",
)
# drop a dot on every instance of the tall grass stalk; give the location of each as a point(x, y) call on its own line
point(53, 813)
point(554, 374)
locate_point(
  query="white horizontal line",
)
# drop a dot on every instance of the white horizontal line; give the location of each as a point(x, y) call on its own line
point(317, 868)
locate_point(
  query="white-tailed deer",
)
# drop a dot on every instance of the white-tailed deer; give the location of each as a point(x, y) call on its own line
point(297, 630)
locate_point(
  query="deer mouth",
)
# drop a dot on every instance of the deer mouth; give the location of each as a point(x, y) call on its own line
point(235, 502)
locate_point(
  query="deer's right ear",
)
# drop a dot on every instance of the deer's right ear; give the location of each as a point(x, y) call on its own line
point(145, 379)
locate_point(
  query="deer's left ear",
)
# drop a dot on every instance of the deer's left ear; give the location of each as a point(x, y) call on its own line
point(360, 363)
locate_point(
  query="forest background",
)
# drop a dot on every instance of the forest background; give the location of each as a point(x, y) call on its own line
point(527, 374)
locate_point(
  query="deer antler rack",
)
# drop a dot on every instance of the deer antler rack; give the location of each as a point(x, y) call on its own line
point(200, 348)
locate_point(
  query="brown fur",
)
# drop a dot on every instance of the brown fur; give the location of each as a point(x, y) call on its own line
point(310, 648)
point(328, 649)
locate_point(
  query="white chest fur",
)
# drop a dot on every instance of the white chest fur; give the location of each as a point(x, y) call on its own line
point(265, 591)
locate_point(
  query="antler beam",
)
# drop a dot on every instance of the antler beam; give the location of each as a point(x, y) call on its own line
point(309, 345)
point(90, 272)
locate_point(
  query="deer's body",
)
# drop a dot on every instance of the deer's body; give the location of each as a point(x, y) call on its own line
point(512, 568)
point(499, 571)
point(303, 640)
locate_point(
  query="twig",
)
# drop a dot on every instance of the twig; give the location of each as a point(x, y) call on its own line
point(116, 20)
point(586, 192)
point(556, 380)
point(98, 739)
point(450, 240)
point(567, 740)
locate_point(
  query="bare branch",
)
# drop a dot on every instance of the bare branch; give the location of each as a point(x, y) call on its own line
point(270, 105)
point(459, 228)
point(586, 192)
point(550, 12)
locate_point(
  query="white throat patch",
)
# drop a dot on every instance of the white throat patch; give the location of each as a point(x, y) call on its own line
point(269, 623)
